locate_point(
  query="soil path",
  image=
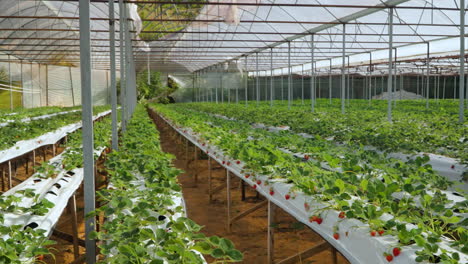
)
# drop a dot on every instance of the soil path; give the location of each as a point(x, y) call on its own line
point(249, 234)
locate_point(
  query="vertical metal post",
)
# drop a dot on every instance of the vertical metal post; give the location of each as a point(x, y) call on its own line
point(257, 88)
point(87, 129)
point(330, 83)
point(443, 88)
point(228, 197)
point(312, 73)
point(289, 75)
point(216, 88)
point(348, 84)
point(148, 67)
point(22, 84)
point(47, 84)
point(461, 116)
point(10, 83)
point(343, 66)
point(115, 143)
point(428, 76)
point(370, 78)
point(271, 78)
point(270, 235)
point(123, 95)
point(302, 89)
point(390, 64)
point(246, 82)
point(71, 85)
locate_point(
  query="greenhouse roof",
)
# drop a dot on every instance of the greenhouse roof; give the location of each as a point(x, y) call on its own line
point(225, 30)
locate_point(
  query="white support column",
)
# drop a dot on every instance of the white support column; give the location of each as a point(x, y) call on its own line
point(115, 143)
point(87, 119)
point(257, 87)
point(302, 86)
point(461, 115)
point(289, 76)
point(390, 64)
point(330, 83)
point(10, 83)
point(428, 75)
point(123, 99)
point(246, 82)
point(271, 78)
point(312, 73)
point(343, 66)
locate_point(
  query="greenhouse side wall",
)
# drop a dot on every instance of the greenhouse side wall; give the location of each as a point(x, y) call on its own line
point(50, 85)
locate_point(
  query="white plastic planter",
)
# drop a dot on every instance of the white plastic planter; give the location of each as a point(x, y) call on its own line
point(358, 246)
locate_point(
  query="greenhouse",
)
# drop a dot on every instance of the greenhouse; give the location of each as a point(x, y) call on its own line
point(233, 131)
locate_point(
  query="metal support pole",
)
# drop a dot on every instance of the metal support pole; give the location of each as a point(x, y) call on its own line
point(257, 87)
point(390, 64)
point(216, 88)
point(461, 116)
point(270, 236)
point(302, 90)
point(228, 197)
point(343, 66)
point(289, 76)
point(148, 67)
point(123, 96)
point(271, 78)
point(47, 84)
point(428, 76)
point(246, 82)
point(115, 143)
point(87, 129)
point(330, 83)
point(74, 220)
point(9, 81)
point(443, 88)
point(71, 85)
point(312, 73)
point(370, 78)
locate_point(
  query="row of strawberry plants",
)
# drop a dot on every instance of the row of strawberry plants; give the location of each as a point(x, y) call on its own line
point(374, 183)
point(143, 223)
point(20, 113)
point(17, 131)
point(18, 242)
point(435, 130)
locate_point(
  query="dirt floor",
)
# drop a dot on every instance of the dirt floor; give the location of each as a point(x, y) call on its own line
point(249, 234)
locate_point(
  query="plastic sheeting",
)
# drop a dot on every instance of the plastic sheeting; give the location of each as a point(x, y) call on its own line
point(256, 28)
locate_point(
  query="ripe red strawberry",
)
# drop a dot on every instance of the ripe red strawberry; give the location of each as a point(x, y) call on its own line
point(207, 152)
point(254, 186)
point(203, 144)
point(238, 162)
point(373, 233)
point(224, 162)
point(452, 167)
point(272, 192)
point(396, 251)
point(319, 220)
point(287, 196)
point(259, 182)
point(306, 206)
point(247, 176)
point(306, 157)
point(342, 215)
point(381, 232)
point(313, 218)
point(336, 236)
point(228, 163)
point(389, 257)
